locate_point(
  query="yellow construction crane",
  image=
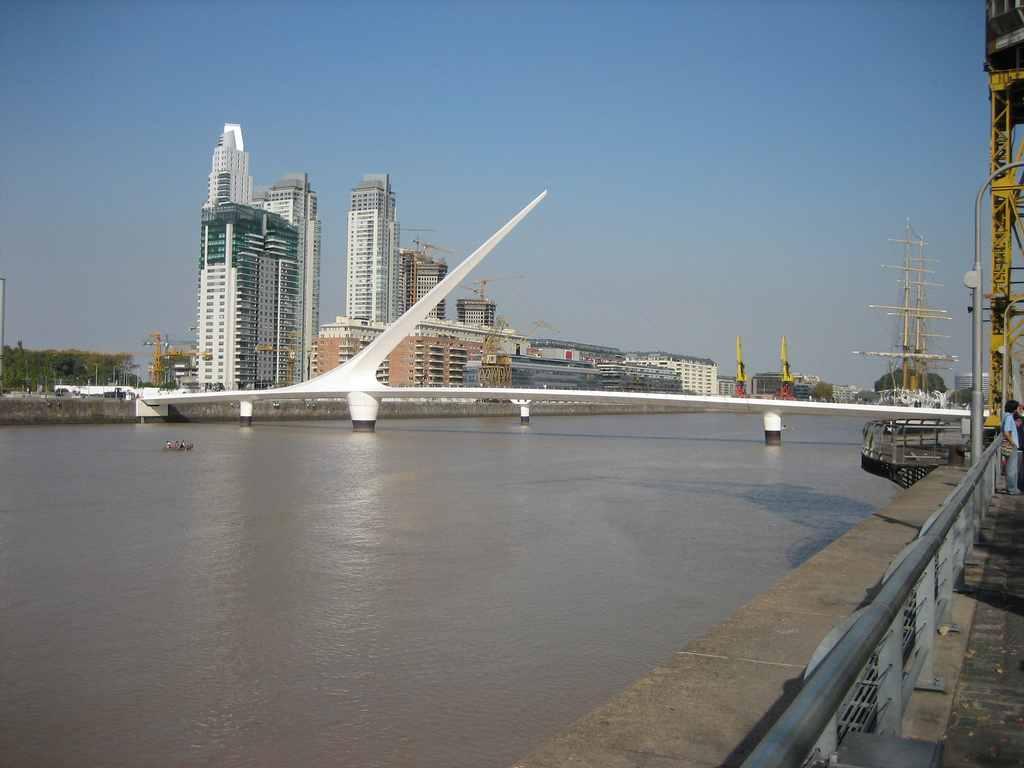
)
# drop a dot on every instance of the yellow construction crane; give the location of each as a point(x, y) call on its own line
point(786, 388)
point(156, 367)
point(164, 351)
point(741, 370)
point(1004, 63)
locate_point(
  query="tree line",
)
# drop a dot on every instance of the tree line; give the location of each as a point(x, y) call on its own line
point(30, 369)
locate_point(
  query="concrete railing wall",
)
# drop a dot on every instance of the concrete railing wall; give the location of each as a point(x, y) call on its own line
point(27, 411)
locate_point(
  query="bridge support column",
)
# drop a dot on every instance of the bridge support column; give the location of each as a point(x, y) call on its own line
point(145, 411)
point(772, 428)
point(524, 411)
point(245, 413)
point(362, 408)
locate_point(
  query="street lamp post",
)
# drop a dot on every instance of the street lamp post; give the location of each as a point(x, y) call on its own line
point(973, 280)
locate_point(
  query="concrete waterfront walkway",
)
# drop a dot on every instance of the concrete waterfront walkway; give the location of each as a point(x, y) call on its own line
point(986, 726)
point(713, 700)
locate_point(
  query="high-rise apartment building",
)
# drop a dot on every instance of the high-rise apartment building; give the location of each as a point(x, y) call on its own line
point(420, 273)
point(295, 201)
point(373, 290)
point(249, 287)
point(229, 180)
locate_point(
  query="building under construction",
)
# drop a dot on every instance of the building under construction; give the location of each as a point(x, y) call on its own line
point(419, 273)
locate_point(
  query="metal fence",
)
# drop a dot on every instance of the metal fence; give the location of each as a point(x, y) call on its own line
point(862, 675)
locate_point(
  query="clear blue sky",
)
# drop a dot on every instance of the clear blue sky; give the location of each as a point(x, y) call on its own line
point(714, 168)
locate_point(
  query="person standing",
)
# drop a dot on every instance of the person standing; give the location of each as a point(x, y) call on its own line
point(1018, 419)
point(1011, 446)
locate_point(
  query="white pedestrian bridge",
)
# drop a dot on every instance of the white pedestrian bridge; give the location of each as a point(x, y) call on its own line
point(356, 379)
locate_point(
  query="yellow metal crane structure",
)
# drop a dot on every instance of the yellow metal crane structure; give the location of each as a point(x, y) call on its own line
point(1004, 63)
point(741, 370)
point(495, 364)
point(786, 387)
point(165, 351)
point(156, 367)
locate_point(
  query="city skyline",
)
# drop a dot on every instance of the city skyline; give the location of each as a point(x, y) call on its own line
point(664, 230)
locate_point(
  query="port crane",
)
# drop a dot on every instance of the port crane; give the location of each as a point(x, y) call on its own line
point(786, 387)
point(741, 370)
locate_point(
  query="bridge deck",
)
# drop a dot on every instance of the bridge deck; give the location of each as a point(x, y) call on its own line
point(986, 725)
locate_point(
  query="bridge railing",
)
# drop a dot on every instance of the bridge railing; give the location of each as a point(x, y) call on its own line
point(861, 677)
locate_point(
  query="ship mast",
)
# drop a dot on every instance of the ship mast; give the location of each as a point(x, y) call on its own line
point(914, 315)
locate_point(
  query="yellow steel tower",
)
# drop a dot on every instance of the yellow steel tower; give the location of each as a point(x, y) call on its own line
point(1004, 62)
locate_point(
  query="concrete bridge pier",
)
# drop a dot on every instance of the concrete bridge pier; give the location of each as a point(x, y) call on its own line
point(524, 411)
point(145, 411)
point(362, 409)
point(245, 413)
point(772, 428)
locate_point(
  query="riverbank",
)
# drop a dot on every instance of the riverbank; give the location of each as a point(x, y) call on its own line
point(714, 699)
point(29, 411)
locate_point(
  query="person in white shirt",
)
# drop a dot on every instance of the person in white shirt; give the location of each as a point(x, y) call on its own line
point(1010, 438)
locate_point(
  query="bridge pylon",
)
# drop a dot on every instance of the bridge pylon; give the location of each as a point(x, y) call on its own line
point(362, 409)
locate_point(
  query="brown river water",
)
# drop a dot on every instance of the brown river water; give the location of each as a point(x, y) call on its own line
point(446, 592)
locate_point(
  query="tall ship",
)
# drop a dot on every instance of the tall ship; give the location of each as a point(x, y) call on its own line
point(906, 450)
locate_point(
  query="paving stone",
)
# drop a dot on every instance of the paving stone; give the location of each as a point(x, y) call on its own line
point(986, 725)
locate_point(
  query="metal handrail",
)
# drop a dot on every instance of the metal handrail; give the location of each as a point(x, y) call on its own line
point(794, 735)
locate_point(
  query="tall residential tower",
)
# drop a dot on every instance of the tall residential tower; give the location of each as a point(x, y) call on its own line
point(294, 200)
point(248, 298)
point(229, 180)
point(373, 290)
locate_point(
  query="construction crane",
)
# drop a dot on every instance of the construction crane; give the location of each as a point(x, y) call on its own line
point(424, 247)
point(786, 387)
point(741, 370)
point(165, 349)
point(483, 282)
point(156, 367)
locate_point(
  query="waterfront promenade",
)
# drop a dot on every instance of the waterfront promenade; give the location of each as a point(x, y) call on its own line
point(713, 700)
point(987, 723)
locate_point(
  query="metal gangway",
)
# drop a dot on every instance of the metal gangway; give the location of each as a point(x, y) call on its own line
point(859, 681)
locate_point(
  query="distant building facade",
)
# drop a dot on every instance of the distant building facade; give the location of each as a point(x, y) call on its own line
point(698, 375)
point(341, 340)
point(372, 289)
point(561, 349)
point(629, 377)
point(530, 372)
point(845, 393)
point(966, 381)
point(248, 298)
point(769, 383)
point(293, 199)
point(417, 361)
point(727, 386)
point(229, 180)
point(431, 361)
